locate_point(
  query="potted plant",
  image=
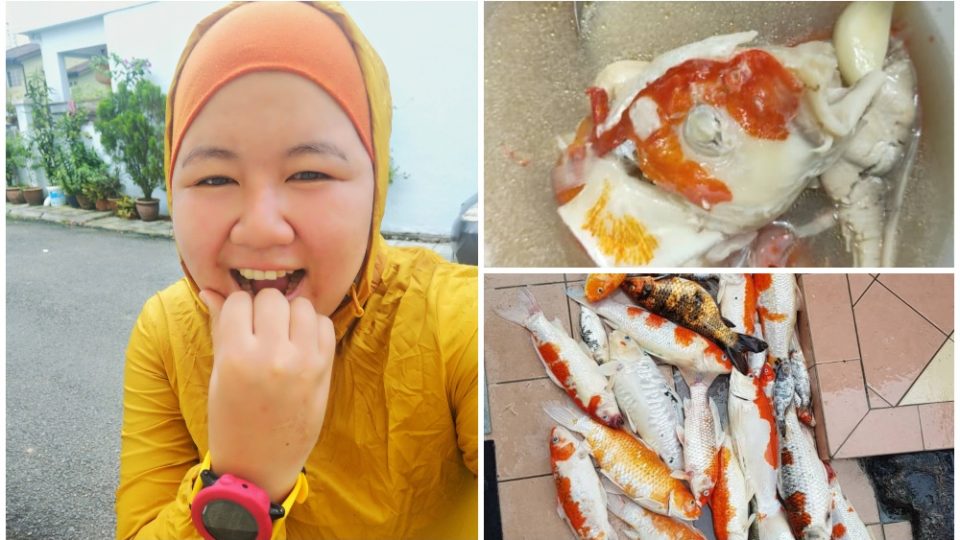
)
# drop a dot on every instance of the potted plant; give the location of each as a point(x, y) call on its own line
point(109, 188)
point(131, 122)
point(126, 208)
point(43, 133)
point(16, 159)
point(33, 194)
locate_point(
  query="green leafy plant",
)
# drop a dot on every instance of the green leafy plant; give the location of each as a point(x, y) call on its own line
point(43, 133)
point(17, 155)
point(126, 207)
point(131, 123)
point(78, 154)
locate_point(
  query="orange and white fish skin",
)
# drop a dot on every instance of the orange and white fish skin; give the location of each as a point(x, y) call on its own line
point(581, 500)
point(730, 502)
point(651, 406)
point(753, 430)
point(647, 525)
point(774, 526)
point(738, 304)
point(664, 339)
point(802, 483)
point(600, 286)
point(567, 364)
point(777, 300)
point(847, 524)
point(630, 464)
point(701, 438)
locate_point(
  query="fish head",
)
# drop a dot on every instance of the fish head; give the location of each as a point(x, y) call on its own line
point(608, 413)
point(622, 346)
point(639, 287)
point(683, 505)
point(562, 444)
point(701, 484)
point(600, 286)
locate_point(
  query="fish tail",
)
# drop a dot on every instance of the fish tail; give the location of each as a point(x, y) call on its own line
point(746, 342)
point(565, 416)
point(576, 294)
point(617, 505)
point(738, 357)
point(521, 311)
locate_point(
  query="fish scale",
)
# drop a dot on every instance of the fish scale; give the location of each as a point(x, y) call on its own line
point(847, 524)
point(730, 502)
point(666, 340)
point(777, 307)
point(581, 500)
point(755, 438)
point(802, 483)
point(630, 464)
point(593, 335)
point(649, 525)
point(650, 405)
point(738, 304)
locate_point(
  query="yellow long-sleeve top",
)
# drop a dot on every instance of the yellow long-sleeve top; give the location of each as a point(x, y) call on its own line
point(397, 455)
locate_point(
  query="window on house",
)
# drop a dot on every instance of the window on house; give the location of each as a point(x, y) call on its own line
point(15, 77)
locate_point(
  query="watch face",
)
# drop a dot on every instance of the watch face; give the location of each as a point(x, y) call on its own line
point(227, 520)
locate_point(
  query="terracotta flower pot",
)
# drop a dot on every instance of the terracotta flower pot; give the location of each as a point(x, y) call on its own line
point(33, 195)
point(102, 205)
point(85, 203)
point(15, 195)
point(149, 209)
point(112, 204)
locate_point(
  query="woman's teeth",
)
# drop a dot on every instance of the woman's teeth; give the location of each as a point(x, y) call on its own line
point(263, 274)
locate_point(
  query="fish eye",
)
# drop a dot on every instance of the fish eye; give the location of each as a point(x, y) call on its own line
point(556, 439)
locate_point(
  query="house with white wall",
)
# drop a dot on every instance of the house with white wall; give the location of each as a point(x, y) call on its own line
point(430, 50)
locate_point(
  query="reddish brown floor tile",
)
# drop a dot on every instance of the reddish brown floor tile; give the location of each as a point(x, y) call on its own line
point(930, 294)
point(898, 531)
point(858, 284)
point(856, 486)
point(884, 431)
point(827, 303)
point(843, 399)
point(520, 427)
point(497, 281)
point(509, 354)
point(876, 402)
point(896, 343)
point(528, 510)
point(936, 422)
point(575, 278)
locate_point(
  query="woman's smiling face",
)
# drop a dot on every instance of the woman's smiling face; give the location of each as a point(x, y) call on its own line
point(272, 176)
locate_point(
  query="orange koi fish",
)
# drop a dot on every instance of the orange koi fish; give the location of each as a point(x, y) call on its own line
point(600, 286)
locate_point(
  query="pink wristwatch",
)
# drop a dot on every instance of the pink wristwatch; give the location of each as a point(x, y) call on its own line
point(231, 508)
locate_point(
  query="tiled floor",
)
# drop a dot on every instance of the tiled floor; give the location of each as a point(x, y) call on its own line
point(518, 385)
point(880, 350)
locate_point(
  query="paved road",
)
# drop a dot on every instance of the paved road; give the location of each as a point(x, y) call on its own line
point(73, 295)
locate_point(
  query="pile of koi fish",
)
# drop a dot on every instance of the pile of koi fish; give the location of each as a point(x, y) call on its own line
point(664, 458)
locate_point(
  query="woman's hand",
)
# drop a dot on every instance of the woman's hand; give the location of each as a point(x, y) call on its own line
point(272, 361)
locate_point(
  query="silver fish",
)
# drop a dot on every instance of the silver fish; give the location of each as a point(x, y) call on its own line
point(803, 484)
point(594, 335)
point(784, 392)
point(801, 382)
point(650, 405)
point(701, 439)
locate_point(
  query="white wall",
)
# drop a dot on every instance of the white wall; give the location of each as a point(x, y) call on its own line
point(77, 35)
point(430, 50)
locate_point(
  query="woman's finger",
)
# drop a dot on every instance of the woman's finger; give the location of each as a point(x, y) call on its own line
point(271, 315)
point(303, 324)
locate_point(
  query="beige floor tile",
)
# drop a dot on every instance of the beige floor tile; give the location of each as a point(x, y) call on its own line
point(930, 294)
point(936, 422)
point(896, 343)
point(898, 531)
point(520, 427)
point(528, 510)
point(858, 285)
point(828, 310)
point(575, 278)
point(856, 486)
point(509, 354)
point(876, 531)
point(820, 431)
point(884, 431)
point(935, 384)
point(843, 400)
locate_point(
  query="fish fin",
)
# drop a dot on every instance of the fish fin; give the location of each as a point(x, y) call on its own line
point(680, 474)
point(631, 535)
point(746, 342)
point(576, 294)
point(586, 349)
point(717, 428)
point(611, 368)
point(727, 322)
point(610, 487)
point(520, 312)
point(546, 367)
point(566, 416)
point(680, 428)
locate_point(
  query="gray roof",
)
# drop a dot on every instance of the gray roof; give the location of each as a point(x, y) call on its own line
point(23, 51)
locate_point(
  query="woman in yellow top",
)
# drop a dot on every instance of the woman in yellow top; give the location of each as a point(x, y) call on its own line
point(300, 352)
